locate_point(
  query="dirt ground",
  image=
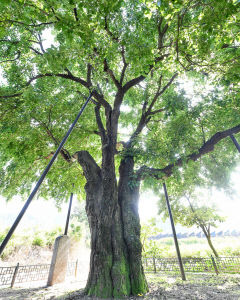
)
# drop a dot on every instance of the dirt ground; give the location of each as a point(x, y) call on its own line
point(161, 286)
point(33, 292)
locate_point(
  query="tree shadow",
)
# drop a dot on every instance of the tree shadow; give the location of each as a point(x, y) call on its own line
point(20, 293)
point(58, 291)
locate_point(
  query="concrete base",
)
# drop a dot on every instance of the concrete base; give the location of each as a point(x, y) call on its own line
point(59, 262)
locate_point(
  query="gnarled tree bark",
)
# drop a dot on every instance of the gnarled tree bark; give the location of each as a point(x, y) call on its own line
point(115, 262)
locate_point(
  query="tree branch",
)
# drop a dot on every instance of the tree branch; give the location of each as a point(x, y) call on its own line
point(40, 43)
point(125, 65)
point(66, 76)
point(92, 171)
point(65, 154)
point(159, 93)
point(30, 47)
point(206, 148)
point(36, 51)
point(89, 72)
point(147, 113)
point(14, 59)
point(55, 15)
point(156, 96)
point(161, 33)
point(156, 111)
point(100, 124)
point(70, 76)
point(100, 98)
point(116, 39)
point(34, 6)
point(110, 72)
point(11, 96)
point(141, 124)
point(28, 25)
point(133, 82)
point(140, 78)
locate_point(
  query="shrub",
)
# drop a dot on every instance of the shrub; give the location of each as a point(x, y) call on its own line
point(76, 232)
point(50, 236)
point(37, 241)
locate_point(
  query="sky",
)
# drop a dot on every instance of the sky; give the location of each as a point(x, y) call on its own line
point(41, 214)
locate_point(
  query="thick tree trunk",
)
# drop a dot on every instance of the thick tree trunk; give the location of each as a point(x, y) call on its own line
point(114, 270)
point(128, 198)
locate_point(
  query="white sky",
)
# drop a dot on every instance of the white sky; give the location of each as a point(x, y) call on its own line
point(40, 213)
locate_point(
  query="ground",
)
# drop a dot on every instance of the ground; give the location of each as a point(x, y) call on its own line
point(162, 287)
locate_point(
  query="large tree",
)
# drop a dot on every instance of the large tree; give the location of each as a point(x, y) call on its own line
point(140, 127)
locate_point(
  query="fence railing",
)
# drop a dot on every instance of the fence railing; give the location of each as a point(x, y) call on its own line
point(21, 274)
point(194, 264)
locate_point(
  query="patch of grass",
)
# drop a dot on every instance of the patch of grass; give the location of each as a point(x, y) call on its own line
point(198, 247)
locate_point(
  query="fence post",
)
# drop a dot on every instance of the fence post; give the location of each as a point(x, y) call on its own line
point(214, 265)
point(14, 274)
point(76, 268)
point(154, 265)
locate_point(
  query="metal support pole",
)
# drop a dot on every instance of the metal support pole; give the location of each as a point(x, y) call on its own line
point(36, 188)
point(174, 234)
point(68, 215)
point(14, 275)
point(235, 142)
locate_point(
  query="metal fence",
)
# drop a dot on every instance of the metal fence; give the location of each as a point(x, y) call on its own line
point(194, 264)
point(21, 274)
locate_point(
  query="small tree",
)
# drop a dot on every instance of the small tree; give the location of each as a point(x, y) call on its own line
point(202, 216)
point(148, 230)
point(205, 218)
point(151, 248)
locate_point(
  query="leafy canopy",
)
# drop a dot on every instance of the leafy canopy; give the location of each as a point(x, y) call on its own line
point(101, 44)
